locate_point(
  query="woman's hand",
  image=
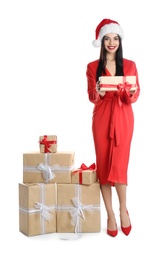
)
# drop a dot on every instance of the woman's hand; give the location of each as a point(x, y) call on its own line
point(101, 93)
point(133, 91)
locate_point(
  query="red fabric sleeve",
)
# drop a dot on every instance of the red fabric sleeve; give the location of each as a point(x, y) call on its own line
point(91, 80)
point(131, 70)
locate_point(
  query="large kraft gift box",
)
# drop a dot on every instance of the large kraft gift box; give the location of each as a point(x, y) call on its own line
point(48, 167)
point(78, 208)
point(84, 175)
point(37, 208)
point(111, 83)
point(48, 144)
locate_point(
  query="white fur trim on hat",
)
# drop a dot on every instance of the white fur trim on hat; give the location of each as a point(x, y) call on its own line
point(106, 29)
point(96, 43)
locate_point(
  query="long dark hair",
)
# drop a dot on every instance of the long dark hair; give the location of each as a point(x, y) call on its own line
point(103, 61)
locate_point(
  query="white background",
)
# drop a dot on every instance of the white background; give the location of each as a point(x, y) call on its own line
point(44, 50)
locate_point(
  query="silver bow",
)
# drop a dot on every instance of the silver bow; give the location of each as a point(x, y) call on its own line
point(75, 212)
point(44, 211)
point(47, 172)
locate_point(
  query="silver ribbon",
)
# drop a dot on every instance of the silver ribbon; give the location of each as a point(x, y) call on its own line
point(47, 173)
point(40, 207)
point(44, 211)
point(76, 211)
point(46, 169)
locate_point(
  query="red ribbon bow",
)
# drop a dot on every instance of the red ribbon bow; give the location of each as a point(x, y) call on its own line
point(92, 167)
point(123, 87)
point(47, 144)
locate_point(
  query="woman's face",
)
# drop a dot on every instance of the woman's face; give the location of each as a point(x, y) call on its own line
point(111, 42)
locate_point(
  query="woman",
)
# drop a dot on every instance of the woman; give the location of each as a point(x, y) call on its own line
point(113, 121)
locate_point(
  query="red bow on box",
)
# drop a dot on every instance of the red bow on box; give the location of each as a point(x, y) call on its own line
point(92, 167)
point(123, 87)
point(83, 167)
point(47, 144)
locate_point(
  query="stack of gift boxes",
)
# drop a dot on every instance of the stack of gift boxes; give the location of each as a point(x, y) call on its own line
point(55, 196)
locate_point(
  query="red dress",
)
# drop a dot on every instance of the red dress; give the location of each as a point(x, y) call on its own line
point(112, 126)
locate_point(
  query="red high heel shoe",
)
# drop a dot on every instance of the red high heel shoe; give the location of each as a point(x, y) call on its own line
point(126, 230)
point(112, 233)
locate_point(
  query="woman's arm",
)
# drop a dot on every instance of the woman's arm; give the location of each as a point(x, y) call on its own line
point(94, 94)
point(129, 97)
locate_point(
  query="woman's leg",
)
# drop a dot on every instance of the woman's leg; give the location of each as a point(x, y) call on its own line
point(107, 198)
point(122, 196)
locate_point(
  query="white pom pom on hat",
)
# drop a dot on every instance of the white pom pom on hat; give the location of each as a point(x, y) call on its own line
point(104, 27)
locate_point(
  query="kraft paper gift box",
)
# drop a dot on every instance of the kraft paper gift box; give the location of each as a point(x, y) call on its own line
point(48, 144)
point(48, 167)
point(37, 208)
point(84, 175)
point(78, 208)
point(111, 83)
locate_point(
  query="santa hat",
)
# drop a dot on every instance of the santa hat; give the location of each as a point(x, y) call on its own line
point(104, 27)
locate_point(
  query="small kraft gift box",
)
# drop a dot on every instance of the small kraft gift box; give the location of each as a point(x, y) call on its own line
point(78, 208)
point(48, 143)
point(114, 83)
point(48, 167)
point(37, 208)
point(85, 174)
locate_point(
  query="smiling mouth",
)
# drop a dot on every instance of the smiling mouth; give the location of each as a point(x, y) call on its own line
point(111, 47)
